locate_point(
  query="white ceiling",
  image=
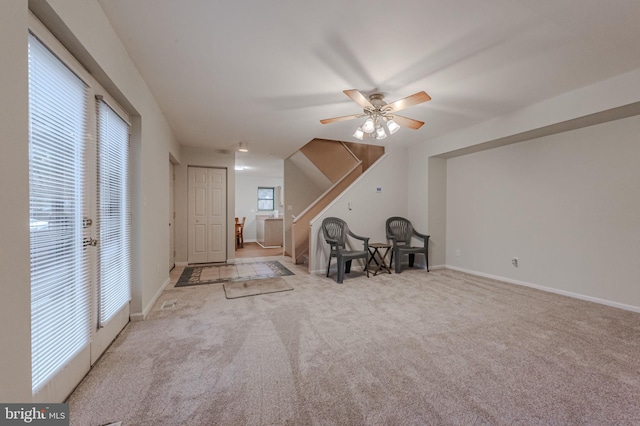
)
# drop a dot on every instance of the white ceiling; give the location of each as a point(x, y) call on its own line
point(266, 72)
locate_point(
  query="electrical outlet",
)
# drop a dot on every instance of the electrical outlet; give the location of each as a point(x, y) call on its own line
point(514, 261)
point(457, 252)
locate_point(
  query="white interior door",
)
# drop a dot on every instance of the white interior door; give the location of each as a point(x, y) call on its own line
point(207, 218)
point(197, 220)
point(217, 217)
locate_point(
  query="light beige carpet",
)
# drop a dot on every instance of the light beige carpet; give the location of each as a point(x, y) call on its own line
point(234, 290)
point(416, 348)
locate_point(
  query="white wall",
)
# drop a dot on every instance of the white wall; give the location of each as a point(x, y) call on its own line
point(369, 208)
point(201, 157)
point(299, 193)
point(427, 200)
point(567, 205)
point(15, 315)
point(418, 177)
point(437, 211)
point(87, 33)
point(246, 195)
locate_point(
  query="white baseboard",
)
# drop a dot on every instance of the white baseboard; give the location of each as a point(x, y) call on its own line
point(182, 263)
point(549, 289)
point(140, 316)
point(136, 317)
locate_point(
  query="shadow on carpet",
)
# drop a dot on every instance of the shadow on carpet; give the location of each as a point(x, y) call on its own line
point(234, 290)
point(227, 273)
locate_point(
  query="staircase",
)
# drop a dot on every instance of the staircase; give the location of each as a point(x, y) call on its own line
point(331, 166)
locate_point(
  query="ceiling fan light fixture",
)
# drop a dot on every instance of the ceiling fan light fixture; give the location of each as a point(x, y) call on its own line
point(376, 111)
point(368, 126)
point(392, 126)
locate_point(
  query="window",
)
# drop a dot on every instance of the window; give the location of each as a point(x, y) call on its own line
point(265, 198)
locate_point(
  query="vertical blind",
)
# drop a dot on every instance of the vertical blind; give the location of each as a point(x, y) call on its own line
point(60, 285)
point(114, 213)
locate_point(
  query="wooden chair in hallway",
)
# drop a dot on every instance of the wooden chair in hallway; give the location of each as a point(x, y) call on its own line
point(240, 232)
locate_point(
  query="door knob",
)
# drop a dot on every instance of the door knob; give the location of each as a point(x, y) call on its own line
point(89, 242)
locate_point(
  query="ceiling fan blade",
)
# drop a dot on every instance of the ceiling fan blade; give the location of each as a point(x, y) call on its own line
point(359, 98)
point(407, 122)
point(415, 99)
point(343, 118)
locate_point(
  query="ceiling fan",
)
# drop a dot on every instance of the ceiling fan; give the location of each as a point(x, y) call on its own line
point(378, 112)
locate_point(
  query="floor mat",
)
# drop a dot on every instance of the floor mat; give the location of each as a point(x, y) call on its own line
point(222, 273)
point(234, 290)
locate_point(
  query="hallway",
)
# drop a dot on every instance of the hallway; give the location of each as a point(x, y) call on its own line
point(252, 249)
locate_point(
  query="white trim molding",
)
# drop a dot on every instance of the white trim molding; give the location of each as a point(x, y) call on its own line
point(549, 289)
point(140, 316)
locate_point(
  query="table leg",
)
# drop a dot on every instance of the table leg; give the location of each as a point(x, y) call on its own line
point(372, 258)
point(383, 265)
